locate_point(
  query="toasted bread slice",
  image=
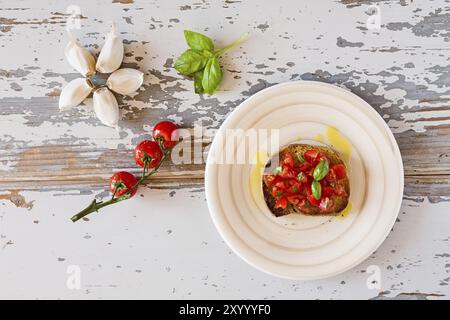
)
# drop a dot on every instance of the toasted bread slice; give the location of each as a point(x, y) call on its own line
point(339, 203)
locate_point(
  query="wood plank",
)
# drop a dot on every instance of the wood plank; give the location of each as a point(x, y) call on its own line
point(42, 148)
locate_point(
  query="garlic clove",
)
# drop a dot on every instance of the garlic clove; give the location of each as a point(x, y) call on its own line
point(106, 107)
point(79, 57)
point(74, 93)
point(111, 55)
point(125, 81)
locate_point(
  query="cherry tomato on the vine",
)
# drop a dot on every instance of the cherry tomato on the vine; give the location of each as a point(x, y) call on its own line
point(167, 131)
point(122, 182)
point(149, 151)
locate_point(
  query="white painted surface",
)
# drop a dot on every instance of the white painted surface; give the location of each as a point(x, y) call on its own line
point(167, 247)
point(127, 251)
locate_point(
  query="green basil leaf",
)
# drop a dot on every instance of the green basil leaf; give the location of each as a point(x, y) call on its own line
point(321, 170)
point(316, 189)
point(212, 76)
point(198, 41)
point(300, 177)
point(189, 62)
point(198, 87)
point(207, 53)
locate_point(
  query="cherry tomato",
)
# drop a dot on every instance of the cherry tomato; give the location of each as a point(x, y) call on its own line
point(122, 182)
point(147, 150)
point(167, 131)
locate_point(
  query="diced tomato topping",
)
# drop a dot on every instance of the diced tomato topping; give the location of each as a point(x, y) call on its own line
point(304, 166)
point(331, 176)
point(339, 171)
point(328, 191)
point(340, 190)
point(277, 192)
point(313, 201)
point(269, 179)
point(295, 199)
point(281, 203)
point(280, 185)
point(288, 160)
point(291, 184)
point(287, 172)
point(294, 188)
point(311, 155)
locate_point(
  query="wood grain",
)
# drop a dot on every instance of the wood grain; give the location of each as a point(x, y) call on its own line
point(42, 149)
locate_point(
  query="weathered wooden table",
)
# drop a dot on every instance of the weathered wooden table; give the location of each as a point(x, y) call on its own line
point(162, 243)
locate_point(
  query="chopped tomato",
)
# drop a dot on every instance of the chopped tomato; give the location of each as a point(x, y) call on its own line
point(269, 179)
point(280, 185)
point(313, 201)
point(328, 191)
point(304, 166)
point(331, 176)
point(339, 171)
point(288, 160)
point(294, 188)
point(281, 203)
point(292, 182)
point(295, 199)
point(287, 172)
point(276, 192)
point(311, 155)
point(340, 190)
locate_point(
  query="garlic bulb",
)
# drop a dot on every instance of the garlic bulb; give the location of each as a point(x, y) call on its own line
point(125, 81)
point(111, 55)
point(74, 93)
point(79, 57)
point(106, 107)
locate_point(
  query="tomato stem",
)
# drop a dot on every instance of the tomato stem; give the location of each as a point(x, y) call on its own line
point(95, 206)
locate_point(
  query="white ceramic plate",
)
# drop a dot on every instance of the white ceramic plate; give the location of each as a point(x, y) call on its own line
point(298, 246)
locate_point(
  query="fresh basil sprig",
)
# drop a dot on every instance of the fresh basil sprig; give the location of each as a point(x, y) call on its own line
point(321, 170)
point(201, 61)
point(316, 189)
